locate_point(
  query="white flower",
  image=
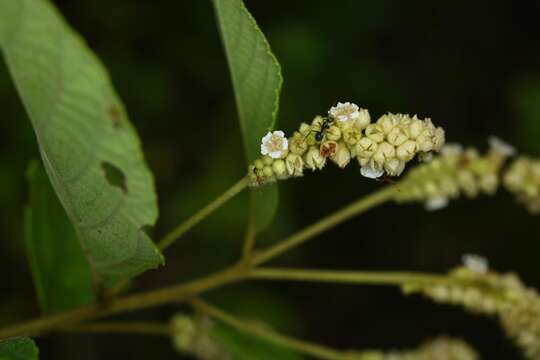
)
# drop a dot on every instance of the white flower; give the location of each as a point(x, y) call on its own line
point(344, 111)
point(436, 203)
point(501, 147)
point(475, 263)
point(274, 144)
point(371, 172)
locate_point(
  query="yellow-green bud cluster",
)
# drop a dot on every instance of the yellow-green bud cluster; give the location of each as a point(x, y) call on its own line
point(523, 179)
point(441, 348)
point(383, 147)
point(502, 295)
point(191, 335)
point(453, 172)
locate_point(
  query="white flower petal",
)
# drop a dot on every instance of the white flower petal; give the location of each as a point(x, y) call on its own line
point(274, 144)
point(370, 172)
point(475, 263)
point(436, 203)
point(501, 146)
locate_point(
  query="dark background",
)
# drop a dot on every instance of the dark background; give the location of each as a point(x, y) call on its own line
point(473, 67)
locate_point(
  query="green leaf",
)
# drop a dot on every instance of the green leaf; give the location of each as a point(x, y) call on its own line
point(257, 80)
point(18, 349)
point(90, 150)
point(62, 276)
point(241, 346)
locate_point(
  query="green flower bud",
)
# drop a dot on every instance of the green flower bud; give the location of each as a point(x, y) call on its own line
point(279, 169)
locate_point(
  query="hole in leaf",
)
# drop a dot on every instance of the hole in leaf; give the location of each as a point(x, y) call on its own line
point(114, 176)
point(148, 230)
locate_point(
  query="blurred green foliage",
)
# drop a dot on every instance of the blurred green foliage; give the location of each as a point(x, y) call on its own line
point(471, 66)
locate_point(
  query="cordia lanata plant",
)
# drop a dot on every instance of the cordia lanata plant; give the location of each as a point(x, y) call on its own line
point(92, 196)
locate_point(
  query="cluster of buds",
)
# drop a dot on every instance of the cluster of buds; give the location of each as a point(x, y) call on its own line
point(504, 296)
point(383, 147)
point(523, 179)
point(192, 335)
point(453, 172)
point(441, 348)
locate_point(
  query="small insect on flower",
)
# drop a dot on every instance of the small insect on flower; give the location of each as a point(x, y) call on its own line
point(344, 111)
point(275, 144)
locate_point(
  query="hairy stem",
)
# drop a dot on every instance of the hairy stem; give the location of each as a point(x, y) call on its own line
point(315, 350)
point(124, 327)
point(200, 215)
point(347, 277)
point(326, 223)
point(128, 303)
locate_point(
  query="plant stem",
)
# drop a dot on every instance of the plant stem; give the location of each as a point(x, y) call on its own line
point(348, 277)
point(200, 215)
point(131, 327)
point(318, 351)
point(128, 303)
point(184, 227)
point(326, 223)
point(180, 292)
point(249, 239)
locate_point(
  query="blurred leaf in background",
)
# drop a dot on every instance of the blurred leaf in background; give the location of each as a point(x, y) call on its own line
point(256, 77)
point(18, 349)
point(62, 275)
point(90, 150)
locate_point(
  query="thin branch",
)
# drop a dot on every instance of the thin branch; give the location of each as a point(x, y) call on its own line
point(249, 238)
point(316, 350)
point(129, 303)
point(348, 277)
point(326, 223)
point(131, 327)
point(181, 229)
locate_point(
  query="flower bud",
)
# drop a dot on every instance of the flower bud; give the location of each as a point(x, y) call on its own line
point(397, 136)
point(298, 144)
point(374, 132)
point(333, 133)
point(394, 167)
point(268, 172)
point(279, 169)
point(415, 128)
point(342, 156)
point(295, 165)
point(351, 135)
point(267, 160)
point(313, 159)
point(366, 147)
point(363, 119)
point(406, 151)
point(384, 152)
point(328, 148)
point(305, 129)
point(259, 163)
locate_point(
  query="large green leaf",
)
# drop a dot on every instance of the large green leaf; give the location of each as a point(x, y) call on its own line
point(90, 150)
point(18, 349)
point(256, 78)
point(241, 346)
point(62, 276)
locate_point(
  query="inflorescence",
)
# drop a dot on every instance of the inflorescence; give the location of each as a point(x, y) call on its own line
point(483, 291)
point(383, 147)
point(523, 179)
point(455, 171)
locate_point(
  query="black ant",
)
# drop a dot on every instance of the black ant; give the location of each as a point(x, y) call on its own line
point(325, 125)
